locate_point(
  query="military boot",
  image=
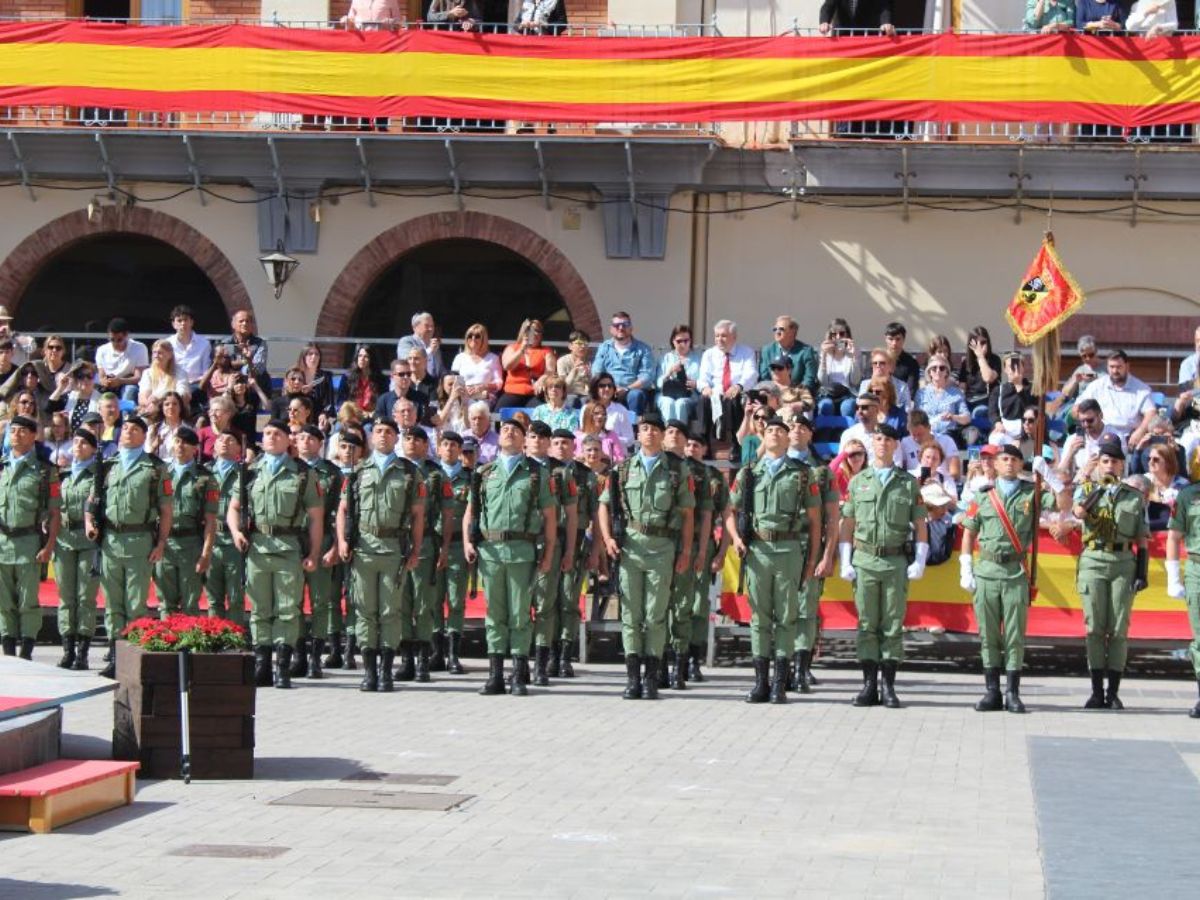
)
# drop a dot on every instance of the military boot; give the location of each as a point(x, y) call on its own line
point(793, 680)
point(422, 666)
point(26, 648)
point(1096, 700)
point(694, 674)
point(520, 679)
point(314, 665)
point(370, 680)
point(437, 661)
point(387, 657)
point(869, 695)
point(110, 662)
point(554, 667)
point(633, 677)
point(262, 666)
point(10, 646)
point(351, 649)
point(495, 681)
point(812, 679)
point(334, 659)
point(1012, 692)
point(283, 667)
point(453, 664)
point(299, 667)
point(68, 658)
point(650, 682)
point(1194, 713)
point(890, 700)
point(1111, 700)
point(565, 668)
point(679, 671)
point(81, 655)
point(667, 661)
point(541, 665)
point(779, 682)
point(804, 681)
point(991, 700)
point(407, 670)
point(761, 692)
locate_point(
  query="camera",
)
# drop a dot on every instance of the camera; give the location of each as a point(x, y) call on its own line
point(756, 397)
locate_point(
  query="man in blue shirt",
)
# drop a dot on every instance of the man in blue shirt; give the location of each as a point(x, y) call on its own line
point(800, 357)
point(628, 361)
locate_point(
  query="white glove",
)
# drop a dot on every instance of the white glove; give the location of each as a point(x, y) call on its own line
point(847, 573)
point(917, 569)
point(1052, 480)
point(966, 572)
point(1174, 580)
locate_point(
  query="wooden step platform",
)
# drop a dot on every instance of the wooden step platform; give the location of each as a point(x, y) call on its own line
point(66, 790)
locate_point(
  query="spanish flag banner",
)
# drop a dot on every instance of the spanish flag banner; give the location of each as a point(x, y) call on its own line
point(1119, 81)
point(1047, 297)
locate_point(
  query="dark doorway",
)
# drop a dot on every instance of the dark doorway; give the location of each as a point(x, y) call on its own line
point(106, 9)
point(461, 282)
point(135, 277)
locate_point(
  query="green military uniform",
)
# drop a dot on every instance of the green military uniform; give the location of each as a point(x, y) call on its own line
point(194, 496)
point(75, 563)
point(279, 503)
point(225, 579)
point(419, 594)
point(547, 587)
point(343, 619)
point(718, 493)
point(587, 498)
point(1185, 519)
point(320, 583)
point(783, 493)
point(808, 625)
point(452, 581)
point(29, 491)
point(683, 585)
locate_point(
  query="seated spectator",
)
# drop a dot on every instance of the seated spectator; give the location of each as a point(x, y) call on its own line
point(1160, 433)
point(170, 417)
point(456, 15)
point(400, 387)
point(618, 419)
point(1086, 372)
point(1027, 442)
point(1014, 397)
point(1099, 16)
point(479, 426)
point(109, 427)
point(74, 393)
point(594, 423)
point(192, 352)
point(931, 468)
point(868, 419)
point(678, 374)
point(942, 402)
point(53, 363)
point(162, 377)
point(1049, 16)
point(525, 363)
point(300, 413)
point(883, 365)
point(838, 371)
point(541, 17)
point(1189, 369)
point(24, 345)
point(555, 412)
point(347, 420)
point(218, 378)
point(293, 386)
point(479, 367)
point(981, 475)
point(777, 372)
point(576, 369)
point(905, 369)
point(891, 412)
point(851, 460)
point(8, 369)
point(1164, 483)
point(628, 362)
point(449, 409)
point(750, 434)
point(120, 362)
point(318, 381)
point(921, 433)
point(422, 382)
point(800, 357)
point(939, 345)
point(58, 441)
point(23, 404)
point(1124, 398)
point(424, 335)
point(726, 370)
point(247, 351)
point(848, 14)
point(363, 383)
point(1084, 444)
point(25, 378)
point(248, 400)
point(979, 374)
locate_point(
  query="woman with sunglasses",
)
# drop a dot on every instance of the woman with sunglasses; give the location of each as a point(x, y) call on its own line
point(618, 419)
point(480, 369)
point(23, 404)
point(576, 369)
point(848, 463)
point(1165, 483)
point(750, 435)
point(678, 371)
point(52, 364)
point(593, 424)
point(526, 363)
point(838, 371)
point(942, 401)
point(26, 378)
point(1013, 399)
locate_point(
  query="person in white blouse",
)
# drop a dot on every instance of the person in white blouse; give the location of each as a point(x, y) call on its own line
point(727, 370)
point(479, 367)
point(1153, 18)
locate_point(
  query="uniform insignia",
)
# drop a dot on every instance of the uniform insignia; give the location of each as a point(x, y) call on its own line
point(345, 483)
point(572, 489)
point(447, 490)
point(553, 486)
point(973, 509)
point(691, 483)
point(421, 490)
point(814, 489)
point(168, 488)
point(211, 495)
point(55, 490)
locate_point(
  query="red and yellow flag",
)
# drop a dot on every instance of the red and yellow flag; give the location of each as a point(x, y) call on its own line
point(1047, 297)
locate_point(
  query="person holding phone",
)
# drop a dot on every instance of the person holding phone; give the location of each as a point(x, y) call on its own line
point(526, 363)
point(838, 371)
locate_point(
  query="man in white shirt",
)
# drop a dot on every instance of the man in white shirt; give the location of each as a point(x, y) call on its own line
point(1084, 445)
point(919, 433)
point(193, 352)
point(866, 423)
point(1190, 367)
point(1124, 399)
point(424, 336)
point(120, 362)
point(727, 370)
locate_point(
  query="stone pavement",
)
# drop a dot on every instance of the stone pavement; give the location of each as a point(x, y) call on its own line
point(576, 793)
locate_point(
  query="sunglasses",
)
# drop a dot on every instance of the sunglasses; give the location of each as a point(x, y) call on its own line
point(621, 324)
point(606, 387)
point(683, 340)
point(1088, 421)
point(864, 409)
point(1030, 421)
point(857, 454)
point(778, 330)
point(879, 362)
point(760, 418)
point(1155, 459)
point(59, 347)
point(402, 374)
point(939, 369)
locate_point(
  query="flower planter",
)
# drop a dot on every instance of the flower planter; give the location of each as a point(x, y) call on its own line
point(146, 723)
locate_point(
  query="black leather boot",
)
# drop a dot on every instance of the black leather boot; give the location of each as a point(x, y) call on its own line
point(370, 682)
point(566, 670)
point(68, 658)
point(10, 646)
point(314, 663)
point(812, 679)
point(1096, 700)
point(299, 667)
point(283, 667)
point(1012, 692)
point(383, 663)
point(650, 681)
point(81, 655)
point(495, 680)
point(437, 661)
point(334, 659)
point(890, 700)
point(633, 677)
point(793, 683)
point(422, 666)
point(679, 671)
point(1194, 713)
point(694, 673)
point(779, 679)
point(453, 664)
point(262, 666)
point(1111, 700)
point(991, 701)
point(541, 665)
point(804, 682)
point(351, 649)
point(869, 695)
point(520, 679)
point(26, 648)
point(761, 692)
point(110, 662)
point(407, 670)
point(554, 667)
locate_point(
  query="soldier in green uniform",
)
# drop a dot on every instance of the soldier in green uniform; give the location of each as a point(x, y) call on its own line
point(179, 575)
point(546, 587)
point(343, 620)
point(75, 564)
point(652, 490)
point(451, 593)
point(1183, 536)
point(1110, 572)
point(711, 557)
point(512, 498)
point(420, 584)
point(280, 548)
point(131, 504)
point(309, 442)
point(800, 432)
point(782, 503)
point(884, 505)
point(225, 580)
point(390, 497)
point(29, 496)
point(585, 556)
point(1001, 581)
point(683, 585)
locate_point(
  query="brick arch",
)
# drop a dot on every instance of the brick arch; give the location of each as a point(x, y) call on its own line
point(373, 260)
point(32, 254)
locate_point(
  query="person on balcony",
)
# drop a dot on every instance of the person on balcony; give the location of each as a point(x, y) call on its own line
point(372, 14)
point(455, 15)
point(1049, 16)
point(541, 17)
point(1153, 18)
point(1099, 16)
point(863, 15)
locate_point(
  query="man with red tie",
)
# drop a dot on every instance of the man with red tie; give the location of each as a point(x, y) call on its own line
point(727, 370)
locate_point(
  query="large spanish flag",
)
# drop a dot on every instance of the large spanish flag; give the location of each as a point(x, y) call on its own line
point(1061, 78)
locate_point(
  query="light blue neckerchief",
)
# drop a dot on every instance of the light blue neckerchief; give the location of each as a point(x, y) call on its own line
point(382, 461)
point(77, 466)
point(15, 461)
point(885, 475)
point(1006, 486)
point(773, 464)
point(648, 462)
point(451, 471)
point(178, 469)
point(802, 455)
point(223, 466)
point(128, 456)
point(509, 460)
point(274, 461)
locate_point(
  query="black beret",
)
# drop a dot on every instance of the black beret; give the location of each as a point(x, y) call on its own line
point(84, 435)
point(1109, 447)
point(280, 424)
point(563, 433)
point(452, 436)
point(515, 423)
point(416, 432)
point(541, 429)
point(799, 418)
point(888, 431)
point(470, 444)
point(778, 363)
point(24, 422)
point(93, 418)
point(677, 423)
point(137, 421)
point(1010, 450)
point(313, 431)
point(387, 422)
point(776, 422)
point(351, 437)
point(652, 419)
point(188, 435)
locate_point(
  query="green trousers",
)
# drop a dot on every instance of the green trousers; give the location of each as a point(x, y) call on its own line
point(223, 584)
point(125, 579)
point(773, 588)
point(1002, 610)
point(20, 614)
point(881, 599)
point(275, 583)
point(77, 588)
point(809, 624)
point(506, 571)
point(420, 597)
point(450, 607)
point(546, 589)
point(320, 598)
point(176, 580)
point(702, 597)
point(342, 615)
point(570, 585)
point(645, 577)
point(1105, 584)
point(679, 608)
point(378, 588)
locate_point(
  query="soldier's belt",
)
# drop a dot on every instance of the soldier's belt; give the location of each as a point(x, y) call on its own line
point(879, 550)
point(18, 532)
point(510, 536)
point(189, 531)
point(1000, 556)
point(278, 530)
point(661, 531)
point(143, 528)
point(381, 532)
point(1107, 548)
point(767, 534)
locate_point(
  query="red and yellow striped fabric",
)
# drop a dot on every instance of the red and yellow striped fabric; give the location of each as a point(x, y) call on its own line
point(1027, 78)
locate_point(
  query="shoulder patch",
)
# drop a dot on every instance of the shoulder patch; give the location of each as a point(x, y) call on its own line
point(168, 488)
point(553, 486)
point(211, 495)
point(447, 490)
point(572, 488)
point(973, 509)
point(814, 489)
point(55, 490)
point(691, 483)
point(421, 490)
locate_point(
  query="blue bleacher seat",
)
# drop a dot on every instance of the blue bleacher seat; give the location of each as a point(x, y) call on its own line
point(840, 423)
point(826, 449)
point(127, 407)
